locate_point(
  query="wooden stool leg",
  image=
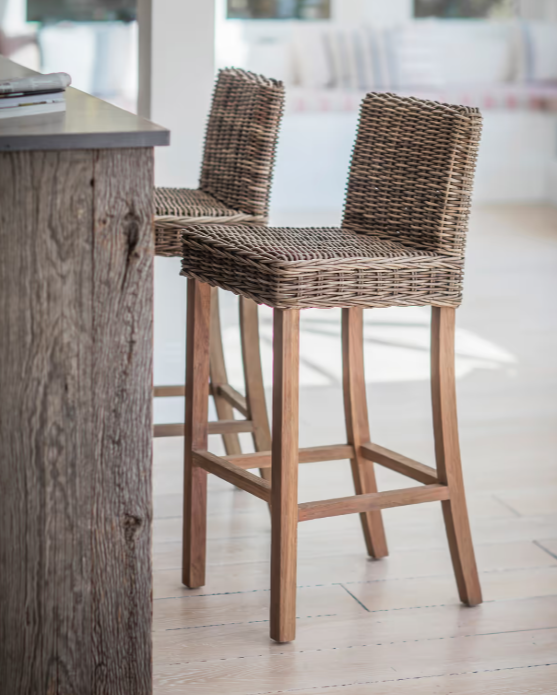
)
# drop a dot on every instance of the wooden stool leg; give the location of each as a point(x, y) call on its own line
point(253, 375)
point(195, 433)
point(447, 453)
point(218, 375)
point(284, 496)
point(357, 425)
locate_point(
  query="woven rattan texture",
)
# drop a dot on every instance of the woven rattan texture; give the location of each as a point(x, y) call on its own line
point(238, 160)
point(190, 203)
point(241, 140)
point(298, 268)
point(179, 207)
point(403, 236)
point(412, 172)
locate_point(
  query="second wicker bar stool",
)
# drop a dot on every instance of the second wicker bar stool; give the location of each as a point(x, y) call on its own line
point(234, 188)
point(401, 244)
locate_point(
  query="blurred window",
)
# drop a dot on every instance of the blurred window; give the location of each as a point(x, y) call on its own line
point(279, 9)
point(80, 10)
point(453, 9)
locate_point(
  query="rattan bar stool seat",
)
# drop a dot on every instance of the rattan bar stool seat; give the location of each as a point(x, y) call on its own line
point(234, 188)
point(290, 268)
point(238, 160)
point(179, 207)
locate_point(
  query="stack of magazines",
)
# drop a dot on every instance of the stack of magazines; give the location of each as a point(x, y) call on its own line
point(32, 96)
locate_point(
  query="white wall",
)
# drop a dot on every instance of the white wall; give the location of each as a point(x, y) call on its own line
point(13, 16)
point(181, 44)
point(176, 81)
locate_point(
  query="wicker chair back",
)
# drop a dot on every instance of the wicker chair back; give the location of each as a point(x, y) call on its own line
point(240, 140)
point(412, 172)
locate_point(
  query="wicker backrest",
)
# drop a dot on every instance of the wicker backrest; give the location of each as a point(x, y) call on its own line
point(241, 139)
point(412, 172)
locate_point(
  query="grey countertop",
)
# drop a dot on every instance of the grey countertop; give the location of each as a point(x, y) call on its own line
point(87, 123)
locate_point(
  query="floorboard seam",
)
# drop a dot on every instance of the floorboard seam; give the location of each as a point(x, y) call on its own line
point(355, 598)
point(364, 646)
point(334, 615)
point(398, 680)
point(546, 550)
point(363, 581)
point(507, 506)
point(245, 622)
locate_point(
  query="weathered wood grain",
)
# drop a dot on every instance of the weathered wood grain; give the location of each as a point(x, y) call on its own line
point(75, 421)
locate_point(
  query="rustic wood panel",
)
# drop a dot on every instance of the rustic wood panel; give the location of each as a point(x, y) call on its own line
point(75, 421)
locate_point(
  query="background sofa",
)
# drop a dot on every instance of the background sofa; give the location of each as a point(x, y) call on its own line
point(507, 68)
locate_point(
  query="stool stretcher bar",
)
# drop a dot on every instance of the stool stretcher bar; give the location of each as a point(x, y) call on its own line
point(228, 392)
point(215, 427)
point(400, 464)
point(232, 469)
point(233, 474)
point(314, 454)
point(357, 504)
point(233, 397)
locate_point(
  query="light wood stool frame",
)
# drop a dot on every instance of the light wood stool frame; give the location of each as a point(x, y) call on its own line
point(444, 484)
point(227, 399)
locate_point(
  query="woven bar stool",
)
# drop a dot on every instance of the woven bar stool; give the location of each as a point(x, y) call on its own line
point(234, 188)
point(401, 244)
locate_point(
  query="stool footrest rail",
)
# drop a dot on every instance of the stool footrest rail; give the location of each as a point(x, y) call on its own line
point(400, 464)
point(357, 504)
point(233, 474)
point(232, 469)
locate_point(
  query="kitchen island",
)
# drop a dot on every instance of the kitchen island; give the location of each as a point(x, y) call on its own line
point(76, 325)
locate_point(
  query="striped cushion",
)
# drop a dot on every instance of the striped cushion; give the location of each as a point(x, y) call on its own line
point(359, 58)
point(537, 52)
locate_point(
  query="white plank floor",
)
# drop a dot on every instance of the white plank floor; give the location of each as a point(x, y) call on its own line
point(393, 626)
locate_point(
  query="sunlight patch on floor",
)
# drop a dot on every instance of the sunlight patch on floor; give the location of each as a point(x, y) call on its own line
point(396, 344)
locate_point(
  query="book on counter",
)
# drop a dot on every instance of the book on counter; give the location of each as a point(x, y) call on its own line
point(33, 96)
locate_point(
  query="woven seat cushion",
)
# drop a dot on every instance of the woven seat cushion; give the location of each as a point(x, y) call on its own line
point(325, 267)
point(177, 207)
point(189, 202)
